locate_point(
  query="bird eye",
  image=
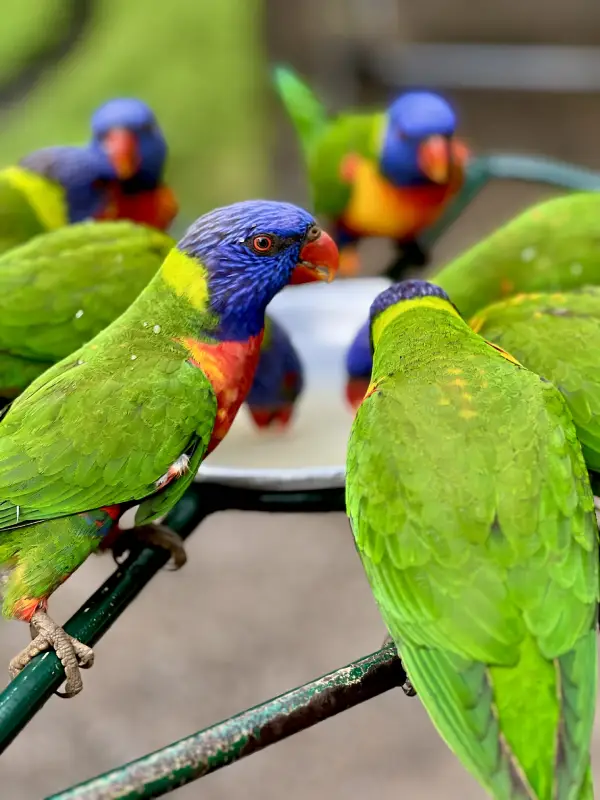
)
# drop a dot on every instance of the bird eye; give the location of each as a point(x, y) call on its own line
point(262, 243)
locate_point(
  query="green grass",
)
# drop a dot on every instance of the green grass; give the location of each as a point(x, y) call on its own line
point(198, 63)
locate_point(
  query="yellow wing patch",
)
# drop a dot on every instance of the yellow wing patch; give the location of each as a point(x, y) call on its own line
point(45, 197)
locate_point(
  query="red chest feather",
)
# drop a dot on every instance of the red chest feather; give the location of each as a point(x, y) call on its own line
point(230, 367)
point(157, 207)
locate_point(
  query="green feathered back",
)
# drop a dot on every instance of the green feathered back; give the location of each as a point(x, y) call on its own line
point(134, 379)
point(62, 288)
point(557, 336)
point(473, 516)
point(553, 246)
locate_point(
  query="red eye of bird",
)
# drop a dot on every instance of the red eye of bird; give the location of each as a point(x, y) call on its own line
point(262, 244)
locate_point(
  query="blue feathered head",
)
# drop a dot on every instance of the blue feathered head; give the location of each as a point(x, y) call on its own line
point(126, 129)
point(253, 249)
point(417, 145)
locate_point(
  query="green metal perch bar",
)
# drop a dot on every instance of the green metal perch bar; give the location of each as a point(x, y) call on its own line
point(530, 169)
point(28, 692)
point(208, 750)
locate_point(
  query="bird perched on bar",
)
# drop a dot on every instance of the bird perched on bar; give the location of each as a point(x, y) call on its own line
point(127, 419)
point(474, 522)
point(278, 380)
point(117, 175)
point(388, 173)
point(550, 247)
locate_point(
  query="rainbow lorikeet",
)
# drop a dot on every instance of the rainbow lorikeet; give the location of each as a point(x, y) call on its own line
point(126, 130)
point(549, 247)
point(388, 173)
point(60, 289)
point(117, 176)
point(474, 522)
point(127, 418)
point(278, 380)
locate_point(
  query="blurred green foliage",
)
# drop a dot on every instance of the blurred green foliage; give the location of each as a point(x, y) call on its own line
point(198, 63)
point(24, 31)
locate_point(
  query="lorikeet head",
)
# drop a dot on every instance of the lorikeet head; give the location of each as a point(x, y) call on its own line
point(419, 144)
point(399, 293)
point(278, 380)
point(359, 362)
point(126, 130)
point(251, 250)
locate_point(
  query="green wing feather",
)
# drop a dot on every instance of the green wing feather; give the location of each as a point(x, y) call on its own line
point(474, 521)
point(62, 288)
point(53, 458)
point(557, 336)
point(326, 141)
point(550, 247)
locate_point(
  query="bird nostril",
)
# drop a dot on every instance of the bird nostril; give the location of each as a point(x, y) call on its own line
point(313, 233)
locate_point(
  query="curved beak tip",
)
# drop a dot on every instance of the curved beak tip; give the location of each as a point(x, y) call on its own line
point(319, 260)
point(435, 158)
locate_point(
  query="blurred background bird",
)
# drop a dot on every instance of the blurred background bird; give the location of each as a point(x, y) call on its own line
point(278, 380)
point(126, 130)
point(386, 174)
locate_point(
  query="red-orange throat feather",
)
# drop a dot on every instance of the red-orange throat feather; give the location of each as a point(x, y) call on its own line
point(230, 368)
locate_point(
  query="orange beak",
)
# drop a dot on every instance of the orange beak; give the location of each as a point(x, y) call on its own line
point(434, 159)
point(439, 156)
point(121, 147)
point(319, 261)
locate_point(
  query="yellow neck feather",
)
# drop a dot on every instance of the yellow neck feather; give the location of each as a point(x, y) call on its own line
point(187, 277)
point(391, 313)
point(45, 197)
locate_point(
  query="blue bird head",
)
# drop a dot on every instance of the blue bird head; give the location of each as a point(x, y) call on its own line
point(405, 290)
point(83, 173)
point(418, 147)
point(126, 130)
point(251, 250)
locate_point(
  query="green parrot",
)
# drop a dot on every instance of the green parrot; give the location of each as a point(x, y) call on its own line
point(557, 336)
point(62, 288)
point(474, 522)
point(126, 420)
point(385, 173)
point(552, 246)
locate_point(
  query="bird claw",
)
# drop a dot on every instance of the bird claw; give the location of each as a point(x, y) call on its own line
point(72, 654)
point(407, 687)
point(152, 535)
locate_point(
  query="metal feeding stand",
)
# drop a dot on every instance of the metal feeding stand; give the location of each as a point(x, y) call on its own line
point(315, 490)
